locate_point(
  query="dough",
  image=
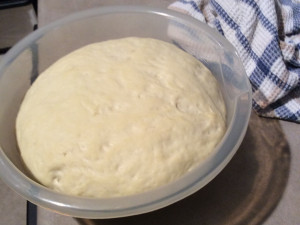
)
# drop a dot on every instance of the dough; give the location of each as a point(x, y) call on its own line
point(119, 117)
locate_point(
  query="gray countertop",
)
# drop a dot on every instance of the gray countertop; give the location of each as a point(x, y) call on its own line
point(261, 184)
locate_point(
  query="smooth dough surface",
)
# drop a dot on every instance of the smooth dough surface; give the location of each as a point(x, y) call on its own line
point(119, 117)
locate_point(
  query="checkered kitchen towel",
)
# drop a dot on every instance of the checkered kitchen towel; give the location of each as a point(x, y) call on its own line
point(266, 34)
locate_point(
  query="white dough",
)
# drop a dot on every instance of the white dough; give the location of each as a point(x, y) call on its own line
point(119, 117)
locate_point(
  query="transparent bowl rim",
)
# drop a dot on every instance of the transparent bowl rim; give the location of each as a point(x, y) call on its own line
point(128, 205)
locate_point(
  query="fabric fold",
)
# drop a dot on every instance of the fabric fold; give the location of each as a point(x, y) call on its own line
point(266, 35)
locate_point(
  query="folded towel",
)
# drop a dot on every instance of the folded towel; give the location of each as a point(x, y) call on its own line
point(266, 34)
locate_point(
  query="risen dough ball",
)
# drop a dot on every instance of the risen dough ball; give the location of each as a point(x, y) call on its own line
point(119, 117)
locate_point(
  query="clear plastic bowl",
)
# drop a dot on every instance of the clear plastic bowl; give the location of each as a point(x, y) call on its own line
point(37, 51)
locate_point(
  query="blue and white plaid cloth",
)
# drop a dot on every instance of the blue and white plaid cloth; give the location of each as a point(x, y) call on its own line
point(266, 34)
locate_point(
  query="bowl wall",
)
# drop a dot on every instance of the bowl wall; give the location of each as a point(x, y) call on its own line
point(35, 53)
